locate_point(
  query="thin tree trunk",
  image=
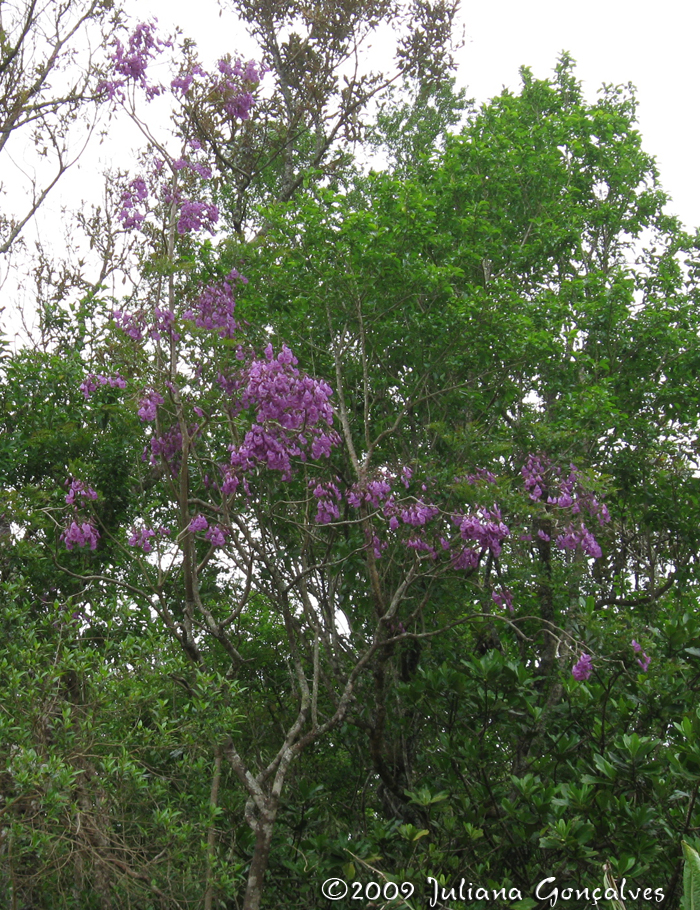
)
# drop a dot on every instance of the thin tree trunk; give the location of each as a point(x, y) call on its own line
point(211, 835)
point(263, 829)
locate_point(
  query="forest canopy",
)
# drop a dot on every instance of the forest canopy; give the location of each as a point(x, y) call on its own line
point(357, 540)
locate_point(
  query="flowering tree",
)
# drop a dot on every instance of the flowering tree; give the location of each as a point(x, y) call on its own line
point(246, 464)
point(422, 576)
point(485, 312)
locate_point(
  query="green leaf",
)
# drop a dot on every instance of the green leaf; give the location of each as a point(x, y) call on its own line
point(691, 878)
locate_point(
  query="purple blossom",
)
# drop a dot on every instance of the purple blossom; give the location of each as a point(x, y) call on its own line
point(248, 72)
point(132, 325)
point(485, 527)
point(467, 558)
point(215, 307)
point(481, 476)
point(583, 668)
point(533, 472)
point(80, 535)
point(141, 537)
point(183, 83)
point(78, 489)
point(94, 380)
point(569, 493)
point(215, 535)
point(573, 537)
point(644, 660)
point(328, 496)
point(131, 62)
point(419, 514)
point(293, 416)
point(378, 546)
point(375, 492)
point(134, 199)
point(231, 482)
point(167, 447)
point(185, 164)
point(195, 215)
point(163, 325)
point(421, 546)
point(198, 523)
point(149, 405)
point(504, 599)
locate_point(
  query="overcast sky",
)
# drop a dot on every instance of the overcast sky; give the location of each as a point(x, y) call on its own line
point(612, 41)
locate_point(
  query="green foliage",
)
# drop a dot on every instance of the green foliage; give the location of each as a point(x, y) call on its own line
point(512, 289)
point(691, 878)
point(107, 760)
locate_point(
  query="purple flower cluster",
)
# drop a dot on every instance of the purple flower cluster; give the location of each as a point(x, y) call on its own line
point(149, 405)
point(94, 380)
point(79, 490)
point(328, 496)
point(215, 306)
point(134, 202)
point(216, 536)
point(183, 83)
point(83, 534)
point(196, 215)
point(196, 167)
point(193, 215)
point(579, 537)
point(533, 472)
point(229, 87)
point(198, 523)
point(544, 482)
point(374, 492)
point(504, 599)
point(483, 529)
point(133, 325)
point(163, 324)
point(418, 514)
point(141, 538)
point(644, 660)
point(583, 668)
point(486, 528)
point(293, 416)
point(465, 558)
point(131, 63)
point(481, 476)
point(227, 91)
point(166, 447)
point(79, 533)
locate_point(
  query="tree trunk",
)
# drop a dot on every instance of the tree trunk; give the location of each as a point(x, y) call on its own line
point(263, 828)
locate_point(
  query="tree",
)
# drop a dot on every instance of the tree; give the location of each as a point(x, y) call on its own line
point(291, 419)
point(488, 313)
point(42, 48)
point(449, 577)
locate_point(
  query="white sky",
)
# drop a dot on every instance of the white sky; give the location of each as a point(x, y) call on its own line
point(654, 46)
